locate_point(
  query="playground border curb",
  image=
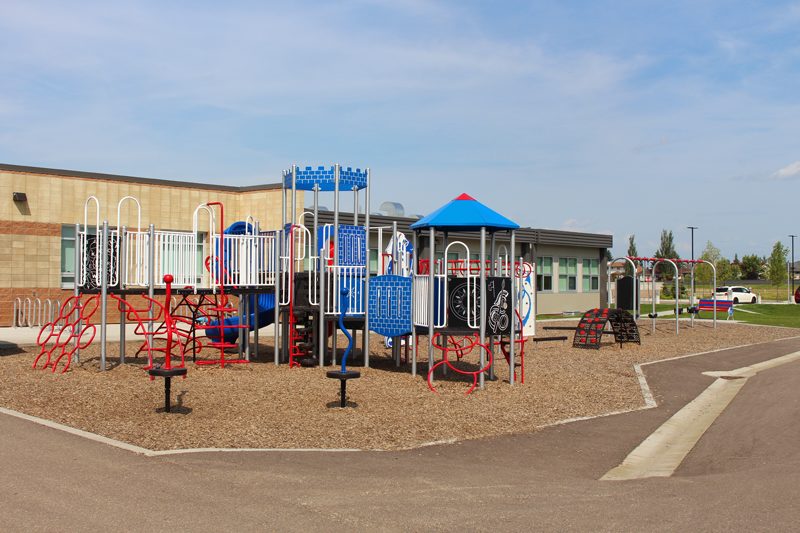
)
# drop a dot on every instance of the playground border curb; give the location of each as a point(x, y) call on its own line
point(647, 396)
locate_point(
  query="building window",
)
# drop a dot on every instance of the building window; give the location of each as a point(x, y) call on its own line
point(373, 261)
point(567, 274)
point(591, 275)
point(67, 257)
point(544, 274)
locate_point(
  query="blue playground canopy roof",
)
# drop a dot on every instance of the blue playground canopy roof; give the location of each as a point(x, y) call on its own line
point(465, 213)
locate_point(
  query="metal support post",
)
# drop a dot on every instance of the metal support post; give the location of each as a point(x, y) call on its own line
point(277, 313)
point(151, 276)
point(512, 348)
point(431, 282)
point(367, 274)
point(396, 272)
point(122, 266)
point(76, 358)
point(258, 265)
point(482, 307)
point(413, 304)
point(103, 293)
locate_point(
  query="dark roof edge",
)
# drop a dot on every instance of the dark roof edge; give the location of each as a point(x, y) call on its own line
point(134, 179)
point(533, 235)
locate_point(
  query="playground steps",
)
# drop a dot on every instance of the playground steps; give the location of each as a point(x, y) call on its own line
point(301, 338)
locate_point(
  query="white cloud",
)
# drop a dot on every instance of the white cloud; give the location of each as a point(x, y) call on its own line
point(789, 172)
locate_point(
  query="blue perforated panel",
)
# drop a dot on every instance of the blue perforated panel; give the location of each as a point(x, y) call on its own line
point(389, 305)
point(352, 245)
point(349, 179)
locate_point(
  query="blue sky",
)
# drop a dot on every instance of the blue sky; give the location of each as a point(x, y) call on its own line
point(603, 116)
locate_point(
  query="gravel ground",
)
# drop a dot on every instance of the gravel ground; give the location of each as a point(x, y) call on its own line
point(263, 406)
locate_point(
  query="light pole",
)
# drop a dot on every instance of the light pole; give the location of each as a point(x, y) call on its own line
point(791, 270)
point(692, 228)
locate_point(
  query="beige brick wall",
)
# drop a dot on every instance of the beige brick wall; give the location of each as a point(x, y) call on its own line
point(30, 232)
point(60, 200)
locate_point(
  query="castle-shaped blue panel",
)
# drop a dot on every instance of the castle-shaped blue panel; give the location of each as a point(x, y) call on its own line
point(325, 179)
point(352, 244)
point(389, 305)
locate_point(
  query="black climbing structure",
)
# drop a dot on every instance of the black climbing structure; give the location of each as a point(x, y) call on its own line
point(590, 329)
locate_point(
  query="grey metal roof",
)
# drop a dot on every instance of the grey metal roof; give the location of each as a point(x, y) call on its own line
point(134, 179)
point(523, 235)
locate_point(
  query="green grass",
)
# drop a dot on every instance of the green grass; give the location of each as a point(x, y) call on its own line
point(768, 315)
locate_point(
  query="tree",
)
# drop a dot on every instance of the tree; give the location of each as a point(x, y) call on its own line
point(776, 264)
point(667, 251)
point(751, 266)
point(609, 256)
point(632, 252)
point(667, 248)
point(712, 254)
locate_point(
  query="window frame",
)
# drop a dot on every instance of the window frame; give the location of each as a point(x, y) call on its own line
point(563, 263)
point(542, 276)
point(592, 278)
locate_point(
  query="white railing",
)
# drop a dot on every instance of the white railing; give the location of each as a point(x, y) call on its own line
point(338, 277)
point(135, 271)
point(247, 260)
point(177, 253)
point(420, 302)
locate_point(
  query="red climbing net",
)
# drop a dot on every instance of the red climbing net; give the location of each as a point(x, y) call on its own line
point(76, 332)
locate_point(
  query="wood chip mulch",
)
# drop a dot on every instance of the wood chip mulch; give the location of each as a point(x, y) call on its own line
point(263, 406)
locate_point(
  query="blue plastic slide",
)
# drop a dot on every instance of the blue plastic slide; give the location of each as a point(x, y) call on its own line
point(264, 305)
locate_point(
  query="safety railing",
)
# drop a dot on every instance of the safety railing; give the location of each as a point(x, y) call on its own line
point(420, 310)
point(248, 260)
point(339, 277)
point(179, 254)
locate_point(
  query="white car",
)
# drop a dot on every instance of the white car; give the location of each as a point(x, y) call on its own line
point(736, 294)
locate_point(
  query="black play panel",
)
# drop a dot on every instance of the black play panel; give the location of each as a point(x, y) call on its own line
point(90, 263)
point(593, 323)
point(498, 312)
point(626, 293)
point(461, 305)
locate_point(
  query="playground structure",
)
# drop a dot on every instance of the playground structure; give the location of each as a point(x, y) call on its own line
point(653, 263)
point(200, 292)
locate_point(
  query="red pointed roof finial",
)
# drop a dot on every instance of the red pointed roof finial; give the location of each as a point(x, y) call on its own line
point(465, 196)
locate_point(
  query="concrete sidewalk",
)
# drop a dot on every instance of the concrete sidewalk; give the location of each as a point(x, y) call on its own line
point(742, 475)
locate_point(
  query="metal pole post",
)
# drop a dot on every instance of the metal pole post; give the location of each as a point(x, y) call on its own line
point(151, 278)
point(431, 282)
point(791, 271)
point(76, 292)
point(413, 304)
point(493, 271)
point(283, 199)
point(677, 299)
point(482, 307)
point(396, 272)
point(691, 298)
point(259, 254)
point(103, 293)
point(276, 323)
point(122, 266)
point(512, 348)
point(294, 195)
point(336, 174)
point(368, 273)
point(653, 293)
